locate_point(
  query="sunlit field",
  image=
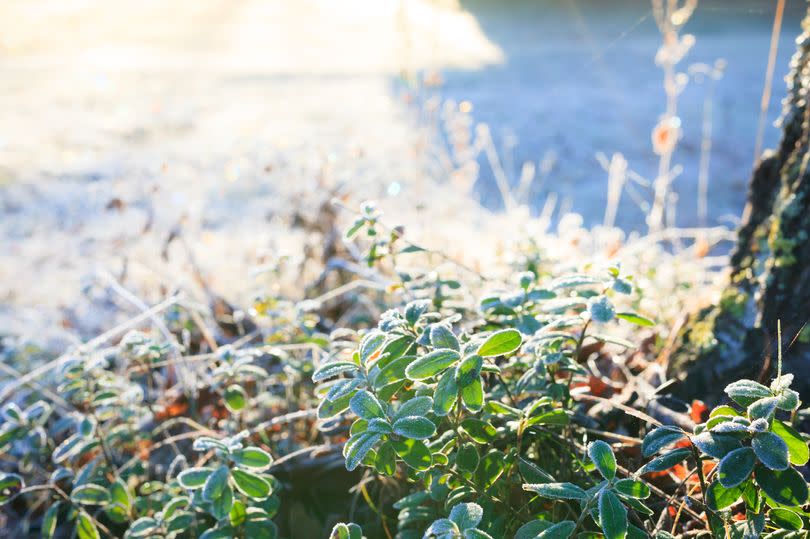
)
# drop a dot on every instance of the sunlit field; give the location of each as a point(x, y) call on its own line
point(404, 268)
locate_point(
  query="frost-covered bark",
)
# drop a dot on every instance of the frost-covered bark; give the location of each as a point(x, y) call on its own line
point(770, 273)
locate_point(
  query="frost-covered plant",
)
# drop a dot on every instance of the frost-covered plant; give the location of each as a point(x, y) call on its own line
point(755, 452)
point(477, 411)
point(89, 455)
point(235, 490)
point(466, 411)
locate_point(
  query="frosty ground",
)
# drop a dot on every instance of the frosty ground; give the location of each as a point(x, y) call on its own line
point(229, 122)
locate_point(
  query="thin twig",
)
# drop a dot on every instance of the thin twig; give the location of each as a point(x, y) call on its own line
point(56, 363)
point(768, 84)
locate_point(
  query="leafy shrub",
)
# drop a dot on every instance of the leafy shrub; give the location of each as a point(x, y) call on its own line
point(480, 419)
point(465, 420)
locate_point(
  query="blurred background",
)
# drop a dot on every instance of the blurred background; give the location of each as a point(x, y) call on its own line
point(125, 120)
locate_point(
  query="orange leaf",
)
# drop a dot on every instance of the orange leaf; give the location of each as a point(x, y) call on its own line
point(699, 411)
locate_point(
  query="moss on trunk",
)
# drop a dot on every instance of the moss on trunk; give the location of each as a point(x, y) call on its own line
point(770, 266)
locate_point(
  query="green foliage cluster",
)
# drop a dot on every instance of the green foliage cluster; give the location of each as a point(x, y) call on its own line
point(483, 426)
point(73, 447)
point(466, 421)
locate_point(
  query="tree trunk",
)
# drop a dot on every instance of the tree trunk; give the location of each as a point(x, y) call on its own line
point(770, 267)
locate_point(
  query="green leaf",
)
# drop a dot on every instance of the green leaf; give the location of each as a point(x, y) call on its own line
point(415, 406)
point(174, 505)
point(253, 458)
point(533, 473)
point(357, 447)
point(85, 527)
point(771, 450)
point(67, 448)
point(714, 444)
point(473, 395)
point(659, 438)
point(327, 408)
point(90, 494)
point(378, 426)
point(238, 514)
point(143, 527)
point(387, 392)
point(120, 501)
point(635, 504)
point(366, 405)
point(724, 410)
point(394, 349)
point(480, 431)
point(206, 443)
point(414, 452)
point(442, 337)
point(532, 529)
point(636, 319)
point(445, 394)
point(637, 533)
point(12, 413)
point(225, 532)
point(371, 343)
point(499, 408)
point(235, 398)
point(386, 460)
point(467, 458)
point(490, 469)
point(250, 484)
point(181, 522)
point(601, 309)
point(753, 498)
point(10, 486)
point(194, 478)
point(501, 343)
point(557, 491)
point(786, 519)
point(612, 515)
point(787, 400)
point(222, 504)
point(346, 531)
point(797, 447)
point(665, 461)
point(551, 417)
point(602, 456)
point(561, 530)
point(633, 488)
point(443, 527)
point(259, 525)
point(735, 467)
point(744, 392)
point(215, 484)
point(431, 364)
point(719, 497)
point(466, 515)
point(412, 500)
point(786, 487)
point(762, 408)
point(727, 425)
point(468, 370)
point(49, 521)
point(333, 369)
point(355, 228)
point(415, 427)
point(393, 372)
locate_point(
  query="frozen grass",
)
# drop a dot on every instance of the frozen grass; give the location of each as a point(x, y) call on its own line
point(150, 171)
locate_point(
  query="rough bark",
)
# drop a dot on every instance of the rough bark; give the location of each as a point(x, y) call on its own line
point(770, 267)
